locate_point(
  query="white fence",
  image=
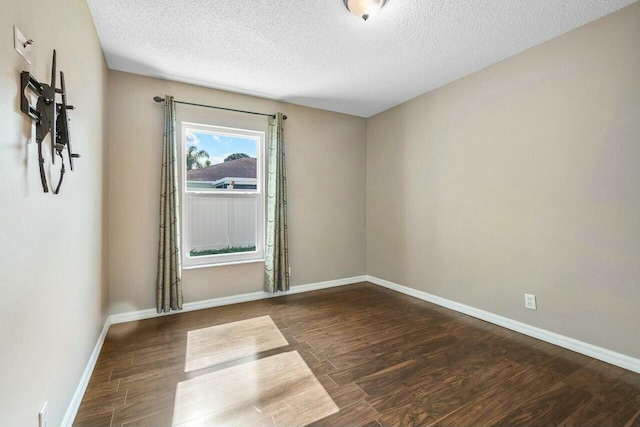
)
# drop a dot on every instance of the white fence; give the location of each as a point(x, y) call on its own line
point(218, 222)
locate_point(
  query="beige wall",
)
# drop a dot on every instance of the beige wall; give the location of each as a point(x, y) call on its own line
point(326, 184)
point(523, 177)
point(53, 258)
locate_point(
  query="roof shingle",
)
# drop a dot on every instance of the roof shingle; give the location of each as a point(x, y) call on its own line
point(244, 167)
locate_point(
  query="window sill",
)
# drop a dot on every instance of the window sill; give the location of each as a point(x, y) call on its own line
point(222, 264)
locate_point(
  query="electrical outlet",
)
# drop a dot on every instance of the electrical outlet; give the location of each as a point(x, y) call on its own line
point(22, 44)
point(289, 271)
point(43, 416)
point(530, 301)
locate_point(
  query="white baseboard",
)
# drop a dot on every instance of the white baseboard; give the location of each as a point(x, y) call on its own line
point(234, 299)
point(72, 410)
point(612, 357)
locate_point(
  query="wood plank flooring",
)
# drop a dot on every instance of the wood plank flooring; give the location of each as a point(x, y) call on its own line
point(384, 358)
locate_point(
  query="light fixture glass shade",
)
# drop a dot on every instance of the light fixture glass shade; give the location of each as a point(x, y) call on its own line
point(364, 9)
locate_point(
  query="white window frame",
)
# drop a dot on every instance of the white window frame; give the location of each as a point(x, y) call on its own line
point(189, 261)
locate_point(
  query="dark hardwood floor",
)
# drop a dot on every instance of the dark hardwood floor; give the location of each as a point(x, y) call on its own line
point(384, 358)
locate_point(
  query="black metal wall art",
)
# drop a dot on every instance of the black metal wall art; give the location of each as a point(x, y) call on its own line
point(50, 117)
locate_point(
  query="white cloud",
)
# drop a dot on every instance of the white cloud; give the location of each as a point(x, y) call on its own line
point(217, 159)
point(191, 139)
point(203, 162)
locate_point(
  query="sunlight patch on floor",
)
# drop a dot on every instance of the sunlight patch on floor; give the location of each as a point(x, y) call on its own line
point(276, 390)
point(223, 343)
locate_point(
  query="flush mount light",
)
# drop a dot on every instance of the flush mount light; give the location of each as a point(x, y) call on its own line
point(364, 9)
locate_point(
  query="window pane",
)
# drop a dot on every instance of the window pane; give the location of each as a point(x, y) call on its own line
point(216, 161)
point(221, 185)
point(220, 225)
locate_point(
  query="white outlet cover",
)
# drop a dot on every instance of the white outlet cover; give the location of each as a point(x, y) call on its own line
point(530, 301)
point(20, 43)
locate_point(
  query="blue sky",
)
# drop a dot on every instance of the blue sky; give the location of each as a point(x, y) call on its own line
point(220, 146)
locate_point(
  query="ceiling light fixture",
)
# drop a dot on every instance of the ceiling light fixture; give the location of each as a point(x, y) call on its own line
point(364, 9)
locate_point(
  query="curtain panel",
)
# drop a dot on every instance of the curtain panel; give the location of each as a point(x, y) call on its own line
point(169, 280)
point(276, 245)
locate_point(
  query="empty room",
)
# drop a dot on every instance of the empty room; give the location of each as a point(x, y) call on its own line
point(328, 213)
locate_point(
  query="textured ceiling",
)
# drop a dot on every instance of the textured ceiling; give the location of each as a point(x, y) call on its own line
point(315, 53)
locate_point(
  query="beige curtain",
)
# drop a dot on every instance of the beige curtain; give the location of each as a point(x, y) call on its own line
point(169, 281)
point(276, 276)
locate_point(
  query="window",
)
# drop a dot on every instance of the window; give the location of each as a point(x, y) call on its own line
point(222, 195)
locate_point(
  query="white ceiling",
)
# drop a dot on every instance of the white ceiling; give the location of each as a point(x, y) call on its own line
point(315, 53)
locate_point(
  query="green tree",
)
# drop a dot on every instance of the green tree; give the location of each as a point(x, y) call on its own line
point(235, 156)
point(196, 158)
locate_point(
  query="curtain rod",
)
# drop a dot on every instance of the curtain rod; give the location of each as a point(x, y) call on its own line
point(159, 99)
